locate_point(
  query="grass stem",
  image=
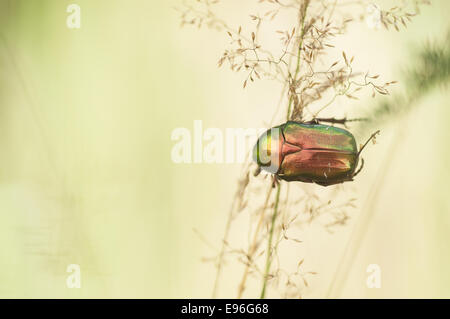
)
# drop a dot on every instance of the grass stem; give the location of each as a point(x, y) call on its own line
point(269, 243)
point(299, 54)
point(253, 245)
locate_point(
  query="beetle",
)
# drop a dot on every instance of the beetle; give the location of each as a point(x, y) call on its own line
point(309, 152)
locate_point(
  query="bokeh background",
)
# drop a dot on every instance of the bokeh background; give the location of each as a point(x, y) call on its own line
point(86, 175)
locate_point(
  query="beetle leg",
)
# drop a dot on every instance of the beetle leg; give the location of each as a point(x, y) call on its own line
point(257, 171)
point(372, 137)
point(332, 120)
point(275, 181)
point(313, 121)
point(360, 168)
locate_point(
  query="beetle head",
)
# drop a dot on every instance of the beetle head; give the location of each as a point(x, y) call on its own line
point(266, 152)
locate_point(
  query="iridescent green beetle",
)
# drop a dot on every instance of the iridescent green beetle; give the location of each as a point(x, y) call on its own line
point(309, 152)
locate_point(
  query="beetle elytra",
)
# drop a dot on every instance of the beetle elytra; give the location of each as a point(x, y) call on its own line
point(309, 152)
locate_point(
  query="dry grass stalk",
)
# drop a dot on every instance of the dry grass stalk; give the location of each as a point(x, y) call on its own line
point(310, 86)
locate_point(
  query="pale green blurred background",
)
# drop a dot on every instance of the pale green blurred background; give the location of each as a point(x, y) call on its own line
point(86, 176)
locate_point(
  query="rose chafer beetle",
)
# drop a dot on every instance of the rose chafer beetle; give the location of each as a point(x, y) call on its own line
point(309, 152)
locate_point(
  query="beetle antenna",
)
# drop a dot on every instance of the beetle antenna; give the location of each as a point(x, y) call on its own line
point(372, 137)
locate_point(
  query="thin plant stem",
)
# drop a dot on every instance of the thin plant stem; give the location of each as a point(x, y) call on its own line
point(253, 245)
point(300, 46)
point(277, 198)
point(269, 243)
point(302, 35)
point(222, 250)
point(224, 241)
